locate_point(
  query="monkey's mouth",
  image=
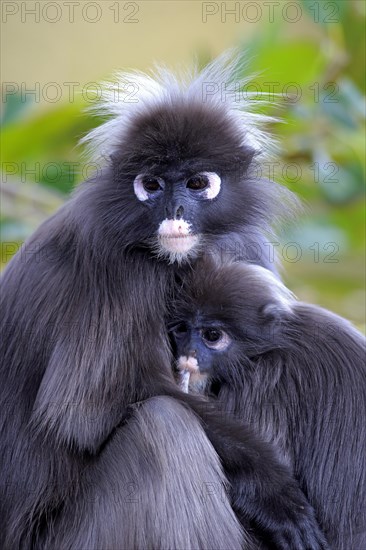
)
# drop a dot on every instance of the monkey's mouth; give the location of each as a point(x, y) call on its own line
point(180, 244)
point(189, 364)
point(175, 237)
point(191, 379)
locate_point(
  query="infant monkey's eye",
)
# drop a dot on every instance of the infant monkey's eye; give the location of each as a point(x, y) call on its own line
point(198, 182)
point(211, 335)
point(181, 329)
point(215, 338)
point(151, 184)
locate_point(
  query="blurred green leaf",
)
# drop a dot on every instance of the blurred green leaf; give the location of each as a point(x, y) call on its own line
point(13, 108)
point(324, 12)
point(43, 147)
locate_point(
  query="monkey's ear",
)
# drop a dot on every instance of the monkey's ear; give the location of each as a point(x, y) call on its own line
point(275, 311)
point(273, 315)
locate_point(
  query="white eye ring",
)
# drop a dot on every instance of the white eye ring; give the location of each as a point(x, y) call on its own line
point(214, 185)
point(221, 344)
point(139, 189)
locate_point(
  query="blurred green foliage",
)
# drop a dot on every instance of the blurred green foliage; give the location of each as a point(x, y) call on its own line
point(319, 85)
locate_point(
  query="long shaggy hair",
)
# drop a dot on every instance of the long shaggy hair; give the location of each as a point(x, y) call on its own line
point(295, 372)
point(83, 340)
point(220, 86)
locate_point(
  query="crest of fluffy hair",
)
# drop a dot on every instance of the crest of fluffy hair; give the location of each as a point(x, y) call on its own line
point(134, 93)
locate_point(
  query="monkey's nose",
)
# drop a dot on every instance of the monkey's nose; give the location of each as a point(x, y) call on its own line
point(192, 353)
point(179, 213)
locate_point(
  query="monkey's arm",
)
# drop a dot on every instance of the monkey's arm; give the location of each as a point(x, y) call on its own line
point(263, 491)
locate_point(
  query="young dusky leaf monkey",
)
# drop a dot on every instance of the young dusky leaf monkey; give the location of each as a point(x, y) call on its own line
point(294, 371)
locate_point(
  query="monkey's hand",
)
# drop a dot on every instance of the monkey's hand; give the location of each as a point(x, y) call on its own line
point(264, 494)
point(280, 514)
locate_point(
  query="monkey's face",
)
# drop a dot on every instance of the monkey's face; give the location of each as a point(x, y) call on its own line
point(186, 167)
point(224, 317)
point(200, 349)
point(176, 200)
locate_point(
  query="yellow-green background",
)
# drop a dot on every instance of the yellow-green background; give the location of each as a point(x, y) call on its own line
point(318, 45)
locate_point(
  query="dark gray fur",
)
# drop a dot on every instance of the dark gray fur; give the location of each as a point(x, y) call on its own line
point(295, 372)
point(167, 495)
point(83, 339)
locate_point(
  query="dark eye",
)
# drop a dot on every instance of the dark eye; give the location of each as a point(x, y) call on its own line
point(215, 338)
point(198, 182)
point(180, 330)
point(211, 335)
point(151, 184)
